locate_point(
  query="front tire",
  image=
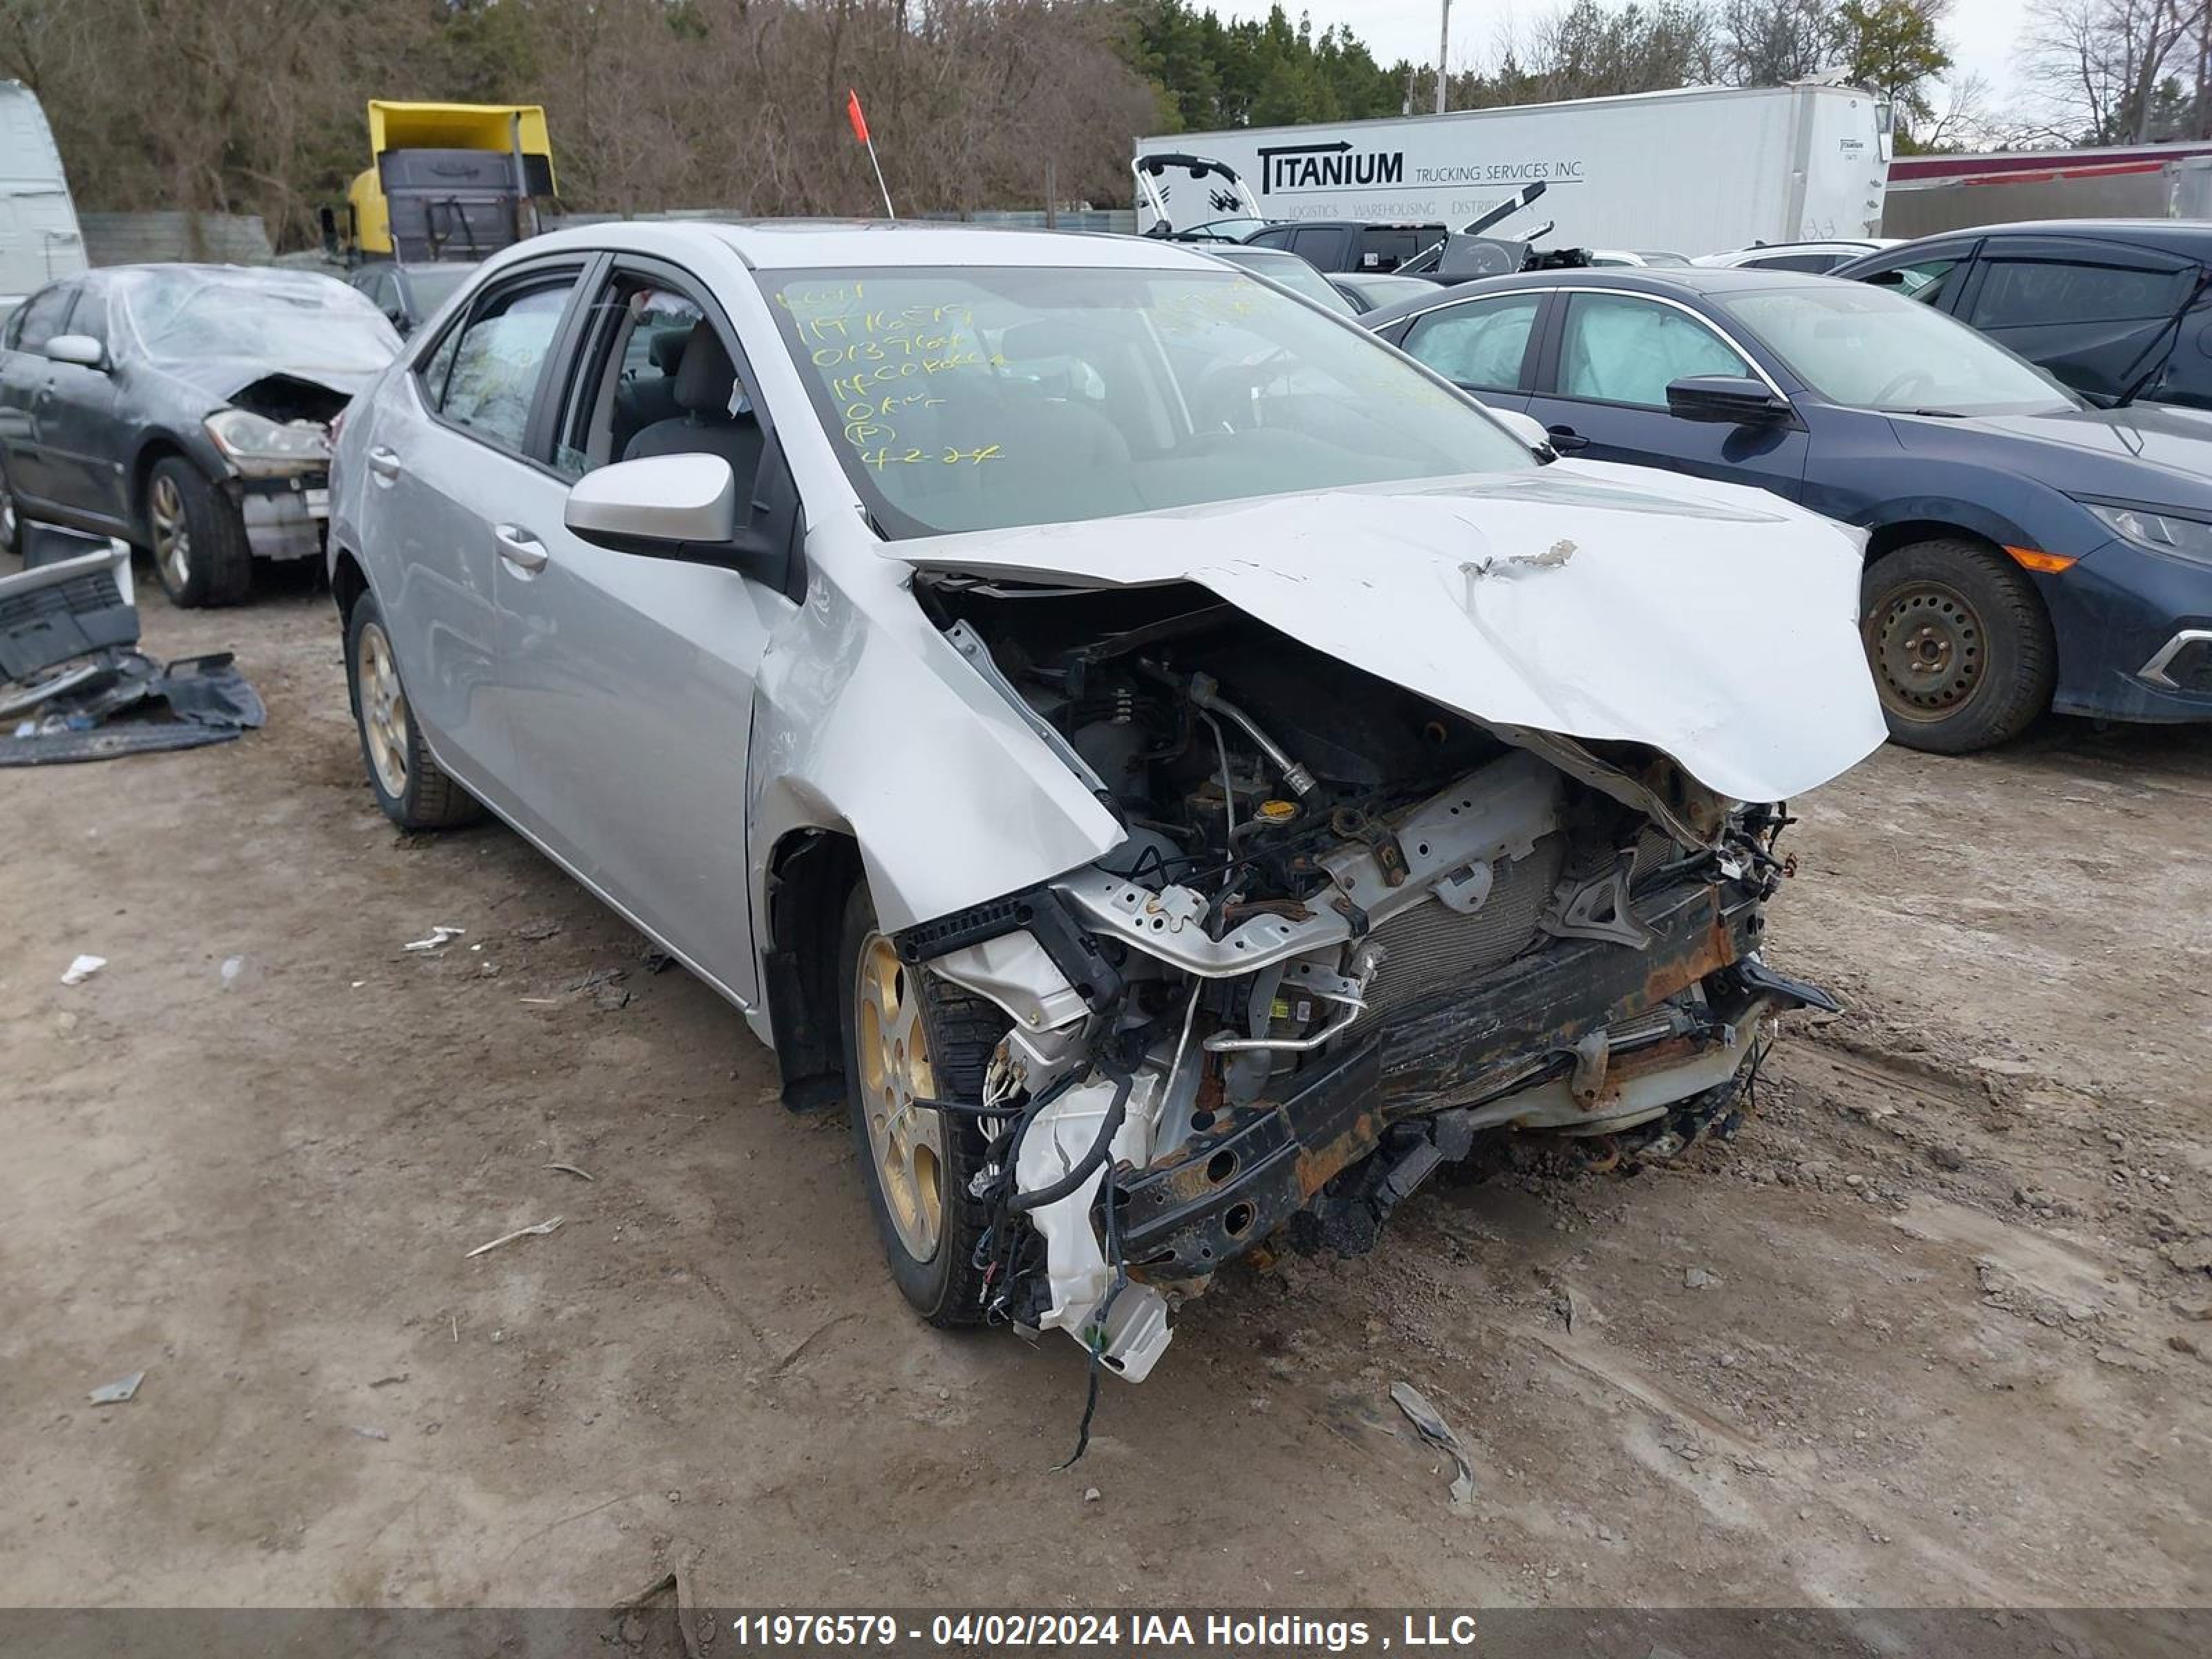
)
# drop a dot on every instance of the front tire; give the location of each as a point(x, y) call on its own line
point(1959, 644)
point(414, 792)
point(198, 537)
point(908, 1035)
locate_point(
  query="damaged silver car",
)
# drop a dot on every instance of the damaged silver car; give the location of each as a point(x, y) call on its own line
point(1175, 769)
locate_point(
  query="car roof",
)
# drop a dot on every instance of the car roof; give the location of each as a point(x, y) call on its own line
point(820, 244)
point(1669, 281)
point(2186, 235)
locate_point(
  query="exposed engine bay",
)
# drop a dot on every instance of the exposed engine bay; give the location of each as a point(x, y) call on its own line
point(288, 400)
point(1350, 936)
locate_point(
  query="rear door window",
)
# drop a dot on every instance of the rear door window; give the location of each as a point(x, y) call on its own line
point(1483, 344)
point(2036, 292)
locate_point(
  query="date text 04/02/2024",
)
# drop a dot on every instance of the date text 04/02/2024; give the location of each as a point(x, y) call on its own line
point(1255, 1631)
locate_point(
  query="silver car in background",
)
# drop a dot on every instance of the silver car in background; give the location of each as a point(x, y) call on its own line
point(1176, 771)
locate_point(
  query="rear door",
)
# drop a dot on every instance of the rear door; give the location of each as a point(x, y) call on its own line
point(1604, 393)
point(1487, 346)
point(626, 681)
point(447, 458)
point(2096, 314)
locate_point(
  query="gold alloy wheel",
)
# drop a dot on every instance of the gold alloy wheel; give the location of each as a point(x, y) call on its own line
point(906, 1140)
point(173, 533)
point(383, 709)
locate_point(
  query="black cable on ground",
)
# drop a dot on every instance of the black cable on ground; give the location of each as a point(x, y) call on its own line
point(1096, 1340)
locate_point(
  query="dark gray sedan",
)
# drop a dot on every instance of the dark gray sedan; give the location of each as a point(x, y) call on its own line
point(185, 409)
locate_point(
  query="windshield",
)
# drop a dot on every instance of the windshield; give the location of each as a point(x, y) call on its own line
point(297, 320)
point(979, 398)
point(1865, 348)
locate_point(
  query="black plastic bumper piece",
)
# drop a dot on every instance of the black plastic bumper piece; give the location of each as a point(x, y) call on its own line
point(1044, 913)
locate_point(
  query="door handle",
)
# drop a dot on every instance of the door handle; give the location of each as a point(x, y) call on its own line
point(520, 548)
point(384, 462)
point(1566, 439)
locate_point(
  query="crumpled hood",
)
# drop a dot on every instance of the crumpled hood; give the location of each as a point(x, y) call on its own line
point(1709, 621)
point(223, 378)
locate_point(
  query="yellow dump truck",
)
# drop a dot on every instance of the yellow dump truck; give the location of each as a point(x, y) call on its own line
point(447, 181)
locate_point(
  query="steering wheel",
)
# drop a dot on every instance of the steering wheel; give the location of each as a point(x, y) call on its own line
point(1896, 388)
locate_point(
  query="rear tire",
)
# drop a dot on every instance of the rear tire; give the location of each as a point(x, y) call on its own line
point(198, 537)
point(1959, 644)
point(910, 1033)
point(414, 792)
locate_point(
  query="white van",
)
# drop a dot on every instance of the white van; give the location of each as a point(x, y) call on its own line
point(38, 236)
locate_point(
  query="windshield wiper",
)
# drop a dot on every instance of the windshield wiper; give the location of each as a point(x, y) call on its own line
point(1932, 414)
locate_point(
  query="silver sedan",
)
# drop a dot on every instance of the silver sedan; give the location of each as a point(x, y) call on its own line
point(1175, 770)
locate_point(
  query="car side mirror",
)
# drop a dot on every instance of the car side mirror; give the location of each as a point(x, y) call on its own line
point(79, 349)
point(670, 507)
point(1529, 429)
point(1730, 400)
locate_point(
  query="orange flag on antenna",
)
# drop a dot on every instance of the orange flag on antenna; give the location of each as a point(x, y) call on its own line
point(853, 114)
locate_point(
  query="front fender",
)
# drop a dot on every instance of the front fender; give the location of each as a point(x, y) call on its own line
point(866, 721)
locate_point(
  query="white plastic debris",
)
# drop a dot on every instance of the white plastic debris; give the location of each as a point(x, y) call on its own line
point(114, 1394)
point(232, 967)
point(440, 935)
point(83, 970)
point(537, 1231)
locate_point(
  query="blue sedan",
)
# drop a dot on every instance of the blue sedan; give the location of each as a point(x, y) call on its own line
point(2026, 551)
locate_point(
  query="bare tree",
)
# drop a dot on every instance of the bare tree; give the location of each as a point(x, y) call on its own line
point(1770, 43)
point(2097, 63)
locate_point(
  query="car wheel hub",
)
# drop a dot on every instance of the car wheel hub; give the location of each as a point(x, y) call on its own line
point(173, 534)
point(1929, 651)
point(383, 710)
point(905, 1137)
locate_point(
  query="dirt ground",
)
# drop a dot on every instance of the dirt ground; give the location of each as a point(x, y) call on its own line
point(1931, 1331)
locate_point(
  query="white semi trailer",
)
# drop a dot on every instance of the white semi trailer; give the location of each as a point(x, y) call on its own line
point(1695, 170)
point(38, 236)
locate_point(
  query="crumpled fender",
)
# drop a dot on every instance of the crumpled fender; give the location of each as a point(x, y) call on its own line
point(867, 722)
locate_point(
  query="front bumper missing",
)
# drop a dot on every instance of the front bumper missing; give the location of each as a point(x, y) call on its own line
point(285, 517)
point(1505, 1046)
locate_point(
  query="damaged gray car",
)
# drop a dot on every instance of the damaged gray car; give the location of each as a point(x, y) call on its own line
point(1177, 771)
point(185, 410)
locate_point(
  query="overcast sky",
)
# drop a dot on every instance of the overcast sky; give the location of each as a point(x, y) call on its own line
point(1979, 33)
